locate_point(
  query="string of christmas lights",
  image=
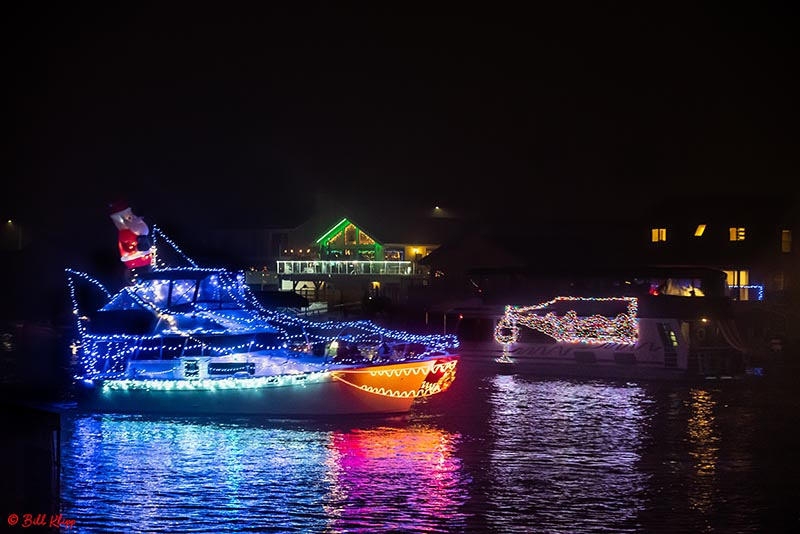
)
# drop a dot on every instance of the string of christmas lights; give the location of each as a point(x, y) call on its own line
point(758, 288)
point(106, 356)
point(427, 388)
point(156, 232)
point(571, 328)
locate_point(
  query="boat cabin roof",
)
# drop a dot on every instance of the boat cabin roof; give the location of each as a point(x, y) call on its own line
point(180, 290)
point(182, 274)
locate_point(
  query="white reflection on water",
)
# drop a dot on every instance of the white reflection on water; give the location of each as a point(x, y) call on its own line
point(136, 474)
point(573, 447)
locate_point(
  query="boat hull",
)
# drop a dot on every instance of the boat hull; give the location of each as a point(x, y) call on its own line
point(389, 389)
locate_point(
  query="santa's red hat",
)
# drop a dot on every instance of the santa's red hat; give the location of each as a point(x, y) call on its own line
point(117, 206)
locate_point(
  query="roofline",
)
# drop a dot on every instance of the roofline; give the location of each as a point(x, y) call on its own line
point(341, 225)
point(334, 227)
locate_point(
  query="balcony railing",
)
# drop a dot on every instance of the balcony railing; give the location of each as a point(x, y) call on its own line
point(372, 268)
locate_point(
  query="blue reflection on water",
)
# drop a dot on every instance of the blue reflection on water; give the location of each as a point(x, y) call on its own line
point(131, 473)
point(496, 454)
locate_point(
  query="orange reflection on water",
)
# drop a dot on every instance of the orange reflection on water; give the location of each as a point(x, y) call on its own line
point(704, 447)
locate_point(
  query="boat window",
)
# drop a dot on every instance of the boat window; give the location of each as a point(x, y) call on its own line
point(155, 292)
point(210, 289)
point(683, 287)
point(121, 301)
point(182, 292)
point(214, 295)
point(668, 336)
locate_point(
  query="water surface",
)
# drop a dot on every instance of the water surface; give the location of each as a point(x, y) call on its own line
point(496, 453)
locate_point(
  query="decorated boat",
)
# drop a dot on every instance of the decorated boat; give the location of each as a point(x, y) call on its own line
point(197, 340)
point(671, 338)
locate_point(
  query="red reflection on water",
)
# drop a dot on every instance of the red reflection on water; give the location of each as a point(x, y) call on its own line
point(376, 472)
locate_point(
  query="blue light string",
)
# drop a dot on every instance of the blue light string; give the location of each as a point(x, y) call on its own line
point(107, 355)
point(760, 289)
point(158, 231)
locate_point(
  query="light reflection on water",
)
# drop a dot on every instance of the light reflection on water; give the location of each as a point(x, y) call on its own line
point(197, 475)
point(377, 472)
point(565, 455)
point(703, 442)
point(496, 454)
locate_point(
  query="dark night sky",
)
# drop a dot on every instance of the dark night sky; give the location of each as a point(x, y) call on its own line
point(473, 110)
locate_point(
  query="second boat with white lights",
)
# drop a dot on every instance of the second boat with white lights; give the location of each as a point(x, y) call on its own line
point(643, 337)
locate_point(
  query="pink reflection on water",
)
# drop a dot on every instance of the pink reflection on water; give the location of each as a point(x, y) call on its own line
point(399, 478)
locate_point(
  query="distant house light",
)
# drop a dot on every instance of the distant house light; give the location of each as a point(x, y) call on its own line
point(701, 228)
point(736, 233)
point(743, 293)
point(786, 241)
point(658, 234)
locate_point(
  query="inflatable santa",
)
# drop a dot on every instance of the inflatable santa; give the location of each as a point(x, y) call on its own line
point(135, 247)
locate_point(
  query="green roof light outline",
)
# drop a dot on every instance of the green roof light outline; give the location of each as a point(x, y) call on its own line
point(338, 227)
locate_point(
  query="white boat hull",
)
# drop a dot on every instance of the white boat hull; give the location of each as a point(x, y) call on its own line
point(326, 398)
point(389, 389)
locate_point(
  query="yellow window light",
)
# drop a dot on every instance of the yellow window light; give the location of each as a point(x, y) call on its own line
point(736, 233)
point(701, 228)
point(658, 234)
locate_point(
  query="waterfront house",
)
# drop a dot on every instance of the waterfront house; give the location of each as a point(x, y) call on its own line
point(347, 260)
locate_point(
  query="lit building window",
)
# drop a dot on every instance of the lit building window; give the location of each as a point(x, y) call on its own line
point(786, 241)
point(736, 233)
point(739, 284)
point(350, 234)
point(658, 234)
point(701, 228)
point(364, 239)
